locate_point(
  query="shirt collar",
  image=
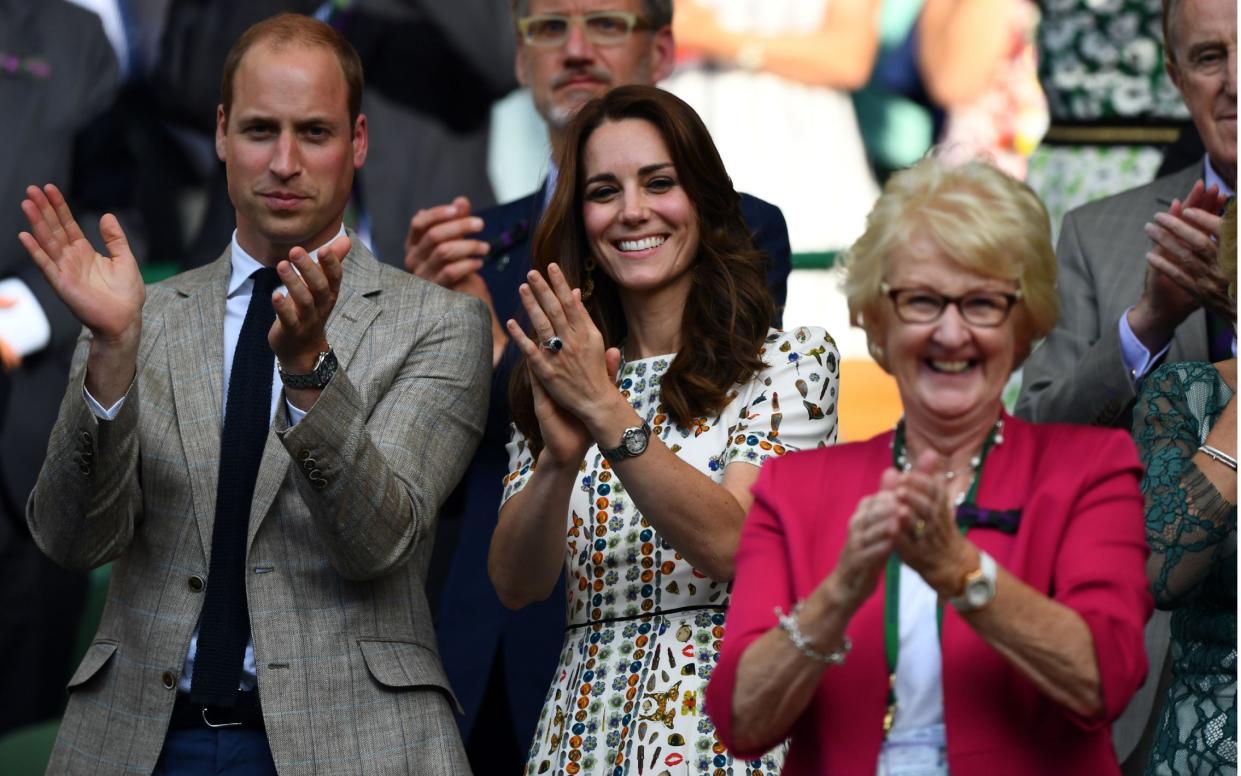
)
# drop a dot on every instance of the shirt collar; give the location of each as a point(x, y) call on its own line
point(1212, 178)
point(244, 265)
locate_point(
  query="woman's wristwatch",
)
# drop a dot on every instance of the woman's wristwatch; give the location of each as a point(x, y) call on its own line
point(978, 587)
point(633, 443)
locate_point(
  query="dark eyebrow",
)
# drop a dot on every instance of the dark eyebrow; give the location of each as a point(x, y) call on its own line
point(603, 176)
point(1203, 47)
point(310, 121)
point(647, 170)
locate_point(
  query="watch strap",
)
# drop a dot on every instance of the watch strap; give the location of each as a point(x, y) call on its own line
point(986, 574)
point(318, 378)
point(622, 452)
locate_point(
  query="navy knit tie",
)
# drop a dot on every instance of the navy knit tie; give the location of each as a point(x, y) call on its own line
point(224, 627)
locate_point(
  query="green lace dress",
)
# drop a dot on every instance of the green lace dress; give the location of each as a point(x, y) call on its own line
point(1192, 532)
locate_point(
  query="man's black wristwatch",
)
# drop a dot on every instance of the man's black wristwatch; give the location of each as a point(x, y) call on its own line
point(317, 378)
point(633, 443)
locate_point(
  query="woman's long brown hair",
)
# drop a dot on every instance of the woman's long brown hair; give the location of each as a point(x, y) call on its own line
point(728, 309)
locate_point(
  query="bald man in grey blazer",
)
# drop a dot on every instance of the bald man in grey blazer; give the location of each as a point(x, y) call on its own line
point(375, 409)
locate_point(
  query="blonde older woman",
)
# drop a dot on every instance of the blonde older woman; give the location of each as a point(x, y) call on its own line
point(965, 593)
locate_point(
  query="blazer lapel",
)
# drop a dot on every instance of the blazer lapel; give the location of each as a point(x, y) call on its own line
point(196, 361)
point(346, 326)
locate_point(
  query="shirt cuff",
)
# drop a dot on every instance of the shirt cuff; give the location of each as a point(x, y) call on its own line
point(1137, 359)
point(295, 415)
point(98, 409)
point(24, 325)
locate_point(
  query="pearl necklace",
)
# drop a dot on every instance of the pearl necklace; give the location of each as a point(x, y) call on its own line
point(902, 458)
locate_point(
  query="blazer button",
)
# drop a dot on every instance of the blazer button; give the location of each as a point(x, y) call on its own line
point(309, 464)
point(86, 438)
point(168, 679)
point(318, 480)
point(85, 470)
point(196, 583)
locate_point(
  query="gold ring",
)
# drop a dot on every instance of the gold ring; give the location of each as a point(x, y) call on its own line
point(919, 528)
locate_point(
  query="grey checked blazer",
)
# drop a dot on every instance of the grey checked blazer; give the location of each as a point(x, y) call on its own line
point(1077, 375)
point(347, 668)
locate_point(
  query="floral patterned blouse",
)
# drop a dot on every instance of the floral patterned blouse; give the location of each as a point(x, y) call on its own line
point(644, 626)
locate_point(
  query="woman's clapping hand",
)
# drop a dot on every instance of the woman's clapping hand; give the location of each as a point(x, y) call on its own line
point(874, 529)
point(570, 383)
point(933, 545)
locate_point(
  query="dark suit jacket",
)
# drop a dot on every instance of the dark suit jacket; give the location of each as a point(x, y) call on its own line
point(339, 532)
point(44, 116)
point(472, 625)
point(40, 603)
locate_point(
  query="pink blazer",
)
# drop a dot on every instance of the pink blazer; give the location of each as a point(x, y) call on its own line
point(1079, 540)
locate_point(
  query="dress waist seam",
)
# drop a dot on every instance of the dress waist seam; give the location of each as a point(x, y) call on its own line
point(643, 615)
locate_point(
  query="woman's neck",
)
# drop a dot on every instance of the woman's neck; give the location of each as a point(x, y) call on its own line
point(956, 440)
point(654, 321)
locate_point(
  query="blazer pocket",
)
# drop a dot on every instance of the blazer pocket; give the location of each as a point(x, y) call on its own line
point(96, 657)
point(406, 665)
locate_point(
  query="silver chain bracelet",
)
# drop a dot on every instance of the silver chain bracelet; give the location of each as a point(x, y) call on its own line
point(788, 624)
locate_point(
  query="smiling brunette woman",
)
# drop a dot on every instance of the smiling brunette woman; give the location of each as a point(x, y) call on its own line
point(651, 390)
point(987, 573)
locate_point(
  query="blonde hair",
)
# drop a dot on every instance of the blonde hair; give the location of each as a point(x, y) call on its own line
point(981, 218)
point(1228, 248)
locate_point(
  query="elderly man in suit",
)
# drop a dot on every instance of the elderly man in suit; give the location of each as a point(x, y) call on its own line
point(1140, 285)
point(261, 446)
point(568, 52)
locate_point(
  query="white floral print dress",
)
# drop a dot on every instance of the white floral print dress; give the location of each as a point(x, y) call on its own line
point(644, 626)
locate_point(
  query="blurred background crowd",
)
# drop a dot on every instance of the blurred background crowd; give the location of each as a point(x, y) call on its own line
point(812, 103)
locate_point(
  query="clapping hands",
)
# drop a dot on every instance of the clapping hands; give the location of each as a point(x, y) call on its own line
point(911, 515)
point(569, 382)
point(1183, 270)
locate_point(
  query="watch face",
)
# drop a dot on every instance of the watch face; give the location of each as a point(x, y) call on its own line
point(635, 441)
point(978, 593)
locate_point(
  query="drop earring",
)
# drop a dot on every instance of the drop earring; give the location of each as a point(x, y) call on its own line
point(588, 287)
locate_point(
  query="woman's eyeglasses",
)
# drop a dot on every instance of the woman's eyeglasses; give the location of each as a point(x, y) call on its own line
point(603, 28)
point(978, 308)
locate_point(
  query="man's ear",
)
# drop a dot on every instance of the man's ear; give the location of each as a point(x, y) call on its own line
point(1174, 74)
point(221, 128)
point(663, 53)
point(361, 141)
point(519, 65)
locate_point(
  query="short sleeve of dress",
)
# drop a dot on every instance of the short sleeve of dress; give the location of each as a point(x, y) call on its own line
point(790, 405)
point(520, 464)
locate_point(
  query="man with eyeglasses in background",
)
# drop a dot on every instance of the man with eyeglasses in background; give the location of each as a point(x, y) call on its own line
point(500, 662)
